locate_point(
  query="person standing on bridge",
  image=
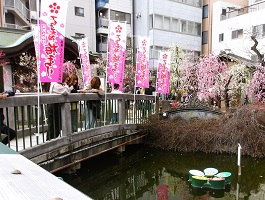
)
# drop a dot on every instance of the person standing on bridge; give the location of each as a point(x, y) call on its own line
point(54, 110)
point(9, 132)
point(115, 105)
point(74, 105)
point(93, 109)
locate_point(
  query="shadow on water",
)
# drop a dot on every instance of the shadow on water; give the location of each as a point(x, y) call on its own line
point(146, 173)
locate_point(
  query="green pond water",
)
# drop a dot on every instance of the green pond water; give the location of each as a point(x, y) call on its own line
point(146, 173)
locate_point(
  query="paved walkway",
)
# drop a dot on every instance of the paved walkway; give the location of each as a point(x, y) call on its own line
point(23, 180)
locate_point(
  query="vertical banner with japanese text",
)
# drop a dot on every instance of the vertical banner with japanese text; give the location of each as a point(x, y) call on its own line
point(52, 36)
point(142, 70)
point(163, 72)
point(85, 62)
point(116, 52)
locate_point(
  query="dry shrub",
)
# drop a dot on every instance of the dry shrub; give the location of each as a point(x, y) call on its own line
point(245, 126)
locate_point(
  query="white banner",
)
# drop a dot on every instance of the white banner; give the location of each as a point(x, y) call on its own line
point(142, 71)
point(116, 51)
point(85, 62)
point(52, 32)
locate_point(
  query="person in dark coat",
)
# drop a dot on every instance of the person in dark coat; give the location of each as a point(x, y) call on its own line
point(6, 130)
point(148, 104)
point(150, 90)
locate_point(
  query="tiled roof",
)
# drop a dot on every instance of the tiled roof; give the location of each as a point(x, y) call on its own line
point(237, 58)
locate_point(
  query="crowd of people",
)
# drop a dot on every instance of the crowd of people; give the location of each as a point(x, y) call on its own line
point(92, 111)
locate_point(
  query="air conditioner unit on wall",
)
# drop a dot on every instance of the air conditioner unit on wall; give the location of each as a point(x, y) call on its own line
point(33, 15)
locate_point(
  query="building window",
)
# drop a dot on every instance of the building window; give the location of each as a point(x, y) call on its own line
point(151, 22)
point(205, 12)
point(120, 16)
point(174, 26)
point(198, 29)
point(259, 30)
point(158, 22)
point(221, 37)
point(205, 37)
point(237, 34)
point(79, 11)
point(166, 23)
point(79, 35)
point(183, 26)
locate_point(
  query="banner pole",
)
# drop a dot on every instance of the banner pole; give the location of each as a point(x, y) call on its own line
point(38, 70)
point(157, 76)
point(106, 76)
point(134, 93)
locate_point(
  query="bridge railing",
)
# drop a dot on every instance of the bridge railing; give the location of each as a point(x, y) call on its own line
point(30, 121)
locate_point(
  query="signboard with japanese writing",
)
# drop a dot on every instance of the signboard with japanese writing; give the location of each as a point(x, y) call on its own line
point(85, 62)
point(163, 72)
point(142, 71)
point(52, 32)
point(116, 52)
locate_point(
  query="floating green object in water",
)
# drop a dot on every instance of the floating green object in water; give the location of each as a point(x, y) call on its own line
point(217, 183)
point(210, 172)
point(194, 172)
point(198, 181)
point(226, 175)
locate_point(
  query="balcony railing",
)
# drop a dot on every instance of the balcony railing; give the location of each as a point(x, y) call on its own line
point(103, 22)
point(15, 26)
point(234, 12)
point(102, 47)
point(18, 6)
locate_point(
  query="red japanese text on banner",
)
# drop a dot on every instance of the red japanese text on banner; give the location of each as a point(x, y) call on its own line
point(142, 71)
point(116, 52)
point(52, 32)
point(85, 62)
point(163, 72)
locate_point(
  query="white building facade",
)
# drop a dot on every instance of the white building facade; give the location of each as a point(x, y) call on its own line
point(233, 27)
point(114, 10)
point(80, 22)
point(168, 23)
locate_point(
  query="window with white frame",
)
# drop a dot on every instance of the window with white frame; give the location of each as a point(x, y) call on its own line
point(198, 29)
point(166, 23)
point(183, 26)
point(158, 22)
point(120, 16)
point(221, 37)
point(191, 28)
point(237, 34)
point(259, 30)
point(175, 25)
point(79, 35)
point(79, 11)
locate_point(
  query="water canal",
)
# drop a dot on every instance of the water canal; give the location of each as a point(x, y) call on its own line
point(144, 173)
